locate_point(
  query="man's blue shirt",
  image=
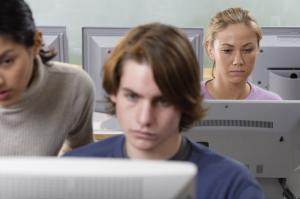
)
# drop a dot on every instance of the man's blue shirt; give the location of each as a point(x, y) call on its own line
point(218, 176)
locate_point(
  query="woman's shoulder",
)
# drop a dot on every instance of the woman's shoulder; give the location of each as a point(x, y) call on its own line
point(204, 92)
point(258, 93)
point(69, 72)
point(61, 67)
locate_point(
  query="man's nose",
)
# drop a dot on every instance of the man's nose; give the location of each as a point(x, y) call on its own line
point(145, 114)
point(1, 80)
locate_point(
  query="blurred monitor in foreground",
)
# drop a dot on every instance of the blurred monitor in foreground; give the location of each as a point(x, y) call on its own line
point(88, 178)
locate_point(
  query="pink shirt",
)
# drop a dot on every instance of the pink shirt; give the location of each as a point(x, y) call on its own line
point(256, 93)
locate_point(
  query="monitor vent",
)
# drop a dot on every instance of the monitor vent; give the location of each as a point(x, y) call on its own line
point(237, 123)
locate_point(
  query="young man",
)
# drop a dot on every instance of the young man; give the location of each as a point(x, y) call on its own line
point(153, 86)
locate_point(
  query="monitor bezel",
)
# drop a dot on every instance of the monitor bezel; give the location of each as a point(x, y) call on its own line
point(61, 33)
point(89, 33)
point(260, 73)
point(224, 130)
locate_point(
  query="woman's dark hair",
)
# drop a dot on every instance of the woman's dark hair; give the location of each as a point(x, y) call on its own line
point(17, 24)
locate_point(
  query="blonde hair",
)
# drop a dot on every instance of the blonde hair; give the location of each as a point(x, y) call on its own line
point(227, 17)
point(230, 16)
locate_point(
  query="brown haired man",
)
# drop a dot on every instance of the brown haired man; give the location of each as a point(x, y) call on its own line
point(153, 84)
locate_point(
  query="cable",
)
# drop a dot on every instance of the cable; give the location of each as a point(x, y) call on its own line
point(286, 191)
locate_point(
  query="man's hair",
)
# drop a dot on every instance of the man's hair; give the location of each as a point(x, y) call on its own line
point(173, 62)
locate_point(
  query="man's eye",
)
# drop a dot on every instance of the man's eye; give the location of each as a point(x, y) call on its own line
point(131, 96)
point(164, 102)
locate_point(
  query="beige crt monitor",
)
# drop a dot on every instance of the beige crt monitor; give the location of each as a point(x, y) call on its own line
point(98, 43)
point(55, 37)
point(264, 135)
point(95, 178)
point(278, 62)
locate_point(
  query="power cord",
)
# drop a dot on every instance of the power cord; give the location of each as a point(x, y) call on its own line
point(286, 191)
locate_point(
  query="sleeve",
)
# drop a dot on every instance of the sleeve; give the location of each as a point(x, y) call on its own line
point(241, 183)
point(81, 125)
point(247, 186)
point(252, 192)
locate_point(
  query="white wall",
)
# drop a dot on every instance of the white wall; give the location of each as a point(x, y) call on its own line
point(75, 14)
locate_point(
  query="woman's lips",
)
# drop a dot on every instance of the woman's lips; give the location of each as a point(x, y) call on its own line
point(4, 94)
point(237, 73)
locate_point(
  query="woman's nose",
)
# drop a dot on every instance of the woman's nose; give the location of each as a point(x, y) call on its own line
point(238, 60)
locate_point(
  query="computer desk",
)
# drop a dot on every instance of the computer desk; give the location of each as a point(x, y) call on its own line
point(101, 132)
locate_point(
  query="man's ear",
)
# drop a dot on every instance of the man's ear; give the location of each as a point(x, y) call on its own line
point(38, 41)
point(113, 98)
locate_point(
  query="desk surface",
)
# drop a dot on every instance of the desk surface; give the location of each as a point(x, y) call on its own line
point(101, 132)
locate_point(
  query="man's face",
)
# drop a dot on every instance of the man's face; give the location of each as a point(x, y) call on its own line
point(150, 122)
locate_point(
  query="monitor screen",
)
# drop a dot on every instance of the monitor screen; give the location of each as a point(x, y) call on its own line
point(55, 37)
point(91, 178)
point(98, 42)
point(264, 135)
point(278, 62)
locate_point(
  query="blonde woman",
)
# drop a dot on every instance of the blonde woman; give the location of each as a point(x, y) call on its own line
point(232, 42)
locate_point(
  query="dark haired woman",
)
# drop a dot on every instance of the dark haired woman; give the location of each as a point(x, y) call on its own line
point(44, 105)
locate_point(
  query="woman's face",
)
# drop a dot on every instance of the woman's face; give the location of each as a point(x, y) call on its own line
point(234, 51)
point(16, 67)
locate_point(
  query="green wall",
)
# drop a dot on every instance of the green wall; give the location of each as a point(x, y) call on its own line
point(75, 14)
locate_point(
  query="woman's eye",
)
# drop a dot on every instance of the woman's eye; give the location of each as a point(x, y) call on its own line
point(227, 51)
point(7, 61)
point(248, 50)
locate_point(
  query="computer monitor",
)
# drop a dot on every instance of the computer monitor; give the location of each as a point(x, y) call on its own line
point(278, 62)
point(264, 135)
point(98, 42)
point(55, 37)
point(91, 178)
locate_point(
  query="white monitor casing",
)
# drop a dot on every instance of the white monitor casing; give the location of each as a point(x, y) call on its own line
point(264, 135)
point(94, 178)
point(98, 43)
point(55, 37)
point(278, 62)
